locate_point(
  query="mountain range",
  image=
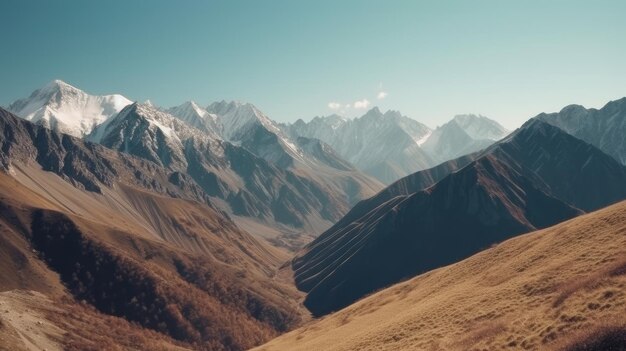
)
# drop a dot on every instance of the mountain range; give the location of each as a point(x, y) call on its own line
point(536, 177)
point(283, 190)
point(389, 146)
point(216, 228)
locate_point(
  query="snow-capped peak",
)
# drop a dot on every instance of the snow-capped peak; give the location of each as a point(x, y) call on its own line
point(196, 116)
point(58, 85)
point(237, 117)
point(65, 108)
point(172, 127)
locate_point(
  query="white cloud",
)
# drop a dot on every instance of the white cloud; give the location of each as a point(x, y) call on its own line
point(334, 105)
point(361, 104)
point(381, 95)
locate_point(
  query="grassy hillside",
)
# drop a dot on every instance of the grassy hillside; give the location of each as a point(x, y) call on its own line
point(561, 288)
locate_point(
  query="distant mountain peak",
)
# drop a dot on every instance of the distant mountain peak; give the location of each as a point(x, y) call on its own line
point(196, 116)
point(385, 146)
point(603, 128)
point(374, 109)
point(466, 118)
point(334, 120)
point(573, 108)
point(191, 107)
point(67, 109)
point(393, 114)
point(480, 127)
point(58, 84)
point(374, 112)
point(237, 117)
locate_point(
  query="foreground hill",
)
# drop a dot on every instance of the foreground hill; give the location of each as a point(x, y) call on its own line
point(537, 177)
point(561, 288)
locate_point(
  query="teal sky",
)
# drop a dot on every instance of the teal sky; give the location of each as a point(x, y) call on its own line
point(508, 60)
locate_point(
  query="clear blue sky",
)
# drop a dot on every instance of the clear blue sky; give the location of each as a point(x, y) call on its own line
point(505, 59)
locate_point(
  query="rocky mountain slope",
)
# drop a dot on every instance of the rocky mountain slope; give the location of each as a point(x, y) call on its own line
point(561, 288)
point(283, 190)
point(536, 177)
point(300, 197)
point(137, 242)
point(604, 128)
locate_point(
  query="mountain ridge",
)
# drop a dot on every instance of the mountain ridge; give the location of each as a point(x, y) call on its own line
point(603, 128)
point(513, 187)
point(403, 145)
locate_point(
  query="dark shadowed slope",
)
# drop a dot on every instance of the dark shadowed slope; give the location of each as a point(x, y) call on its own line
point(530, 180)
point(562, 289)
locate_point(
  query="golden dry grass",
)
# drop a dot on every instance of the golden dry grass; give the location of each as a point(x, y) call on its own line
point(556, 289)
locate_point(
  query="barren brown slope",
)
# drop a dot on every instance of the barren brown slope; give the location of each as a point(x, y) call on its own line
point(127, 237)
point(190, 275)
point(561, 288)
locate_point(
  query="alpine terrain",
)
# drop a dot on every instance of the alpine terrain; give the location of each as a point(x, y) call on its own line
point(390, 146)
point(283, 190)
point(536, 177)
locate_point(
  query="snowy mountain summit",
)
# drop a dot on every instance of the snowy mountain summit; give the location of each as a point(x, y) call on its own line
point(67, 109)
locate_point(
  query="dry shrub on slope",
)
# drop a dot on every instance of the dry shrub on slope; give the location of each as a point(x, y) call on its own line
point(155, 298)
